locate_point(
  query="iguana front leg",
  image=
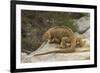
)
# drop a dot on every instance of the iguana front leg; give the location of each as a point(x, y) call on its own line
point(65, 43)
point(73, 44)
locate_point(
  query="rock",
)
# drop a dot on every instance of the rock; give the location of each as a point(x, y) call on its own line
point(87, 34)
point(84, 24)
point(23, 56)
point(80, 54)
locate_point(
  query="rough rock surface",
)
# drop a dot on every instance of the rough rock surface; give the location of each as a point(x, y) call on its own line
point(83, 23)
point(80, 54)
point(87, 34)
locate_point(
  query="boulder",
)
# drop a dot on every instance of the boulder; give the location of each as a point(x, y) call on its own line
point(83, 24)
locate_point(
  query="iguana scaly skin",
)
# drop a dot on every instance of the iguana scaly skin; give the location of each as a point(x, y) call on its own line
point(61, 35)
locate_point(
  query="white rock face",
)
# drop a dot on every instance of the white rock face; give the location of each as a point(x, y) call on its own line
point(87, 34)
point(83, 23)
point(80, 54)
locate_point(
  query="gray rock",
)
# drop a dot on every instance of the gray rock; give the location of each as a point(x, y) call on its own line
point(84, 24)
point(87, 34)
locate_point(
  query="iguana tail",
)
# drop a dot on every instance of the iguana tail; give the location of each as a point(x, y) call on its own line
point(56, 51)
point(43, 44)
